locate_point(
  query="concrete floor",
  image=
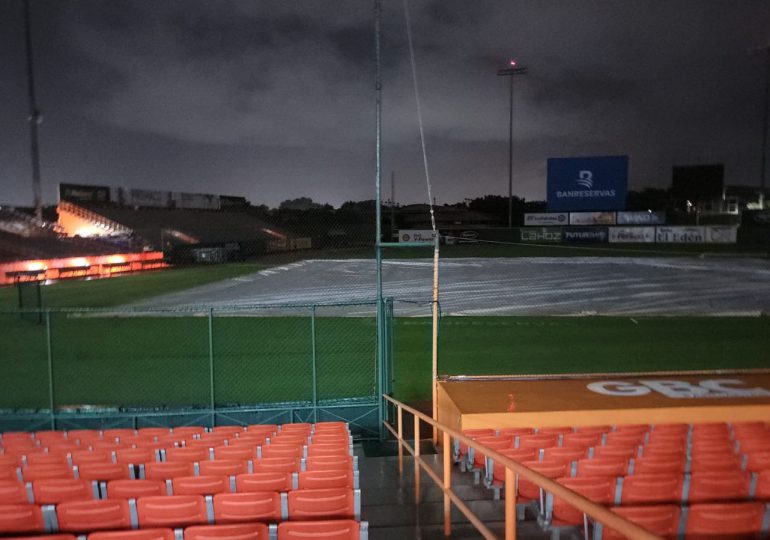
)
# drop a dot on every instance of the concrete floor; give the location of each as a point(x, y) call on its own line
point(506, 286)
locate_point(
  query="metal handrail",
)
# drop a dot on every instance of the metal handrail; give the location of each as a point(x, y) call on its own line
point(596, 511)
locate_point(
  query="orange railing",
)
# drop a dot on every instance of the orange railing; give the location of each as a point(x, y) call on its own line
point(594, 511)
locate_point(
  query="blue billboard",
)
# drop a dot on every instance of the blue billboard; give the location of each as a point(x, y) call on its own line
point(587, 183)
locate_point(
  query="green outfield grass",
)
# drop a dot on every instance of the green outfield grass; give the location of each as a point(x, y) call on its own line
point(142, 361)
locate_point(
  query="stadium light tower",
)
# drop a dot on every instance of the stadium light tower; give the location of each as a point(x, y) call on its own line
point(511, 71)
point(35, 118)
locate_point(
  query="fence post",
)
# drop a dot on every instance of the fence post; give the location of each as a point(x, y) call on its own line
point(49, 348)
point(313, 359)
point(211, 365)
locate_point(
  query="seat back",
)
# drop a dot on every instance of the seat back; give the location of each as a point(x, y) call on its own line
point(289, 465)
point(87, 516)
point(44, 472)
point(661, 520)
point(528, 490)
point(263, 481)
point(200, 485)
point(322, 503)
point(171, 511)
point(48, 458)
point(598, 489)
point(602, 467)
point(80, 457)
point(133, 489)
point(658, 465)
point(242, 507)
point(142, 534)
point(223, 467)
point(724, 520)
point(13, 492)
point(240, 531)
point(104, 471)
point(21, 518)
point(135, 456)
point(240, 453)
point(652, 489)
point(328, 530)
point(168, 469)
point(58, 490)
point(718, 486)
point(329, 463)
point(325, 479)
point(187, 454)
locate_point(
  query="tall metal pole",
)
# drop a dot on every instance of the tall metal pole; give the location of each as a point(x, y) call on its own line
point(763, 177)
point(510, 158)
point(35, 118)
point(378, 213)
point(510, 72)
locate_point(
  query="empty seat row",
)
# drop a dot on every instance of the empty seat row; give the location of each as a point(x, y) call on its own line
point(343, 529)
point(180, 511)
point(54, 491)
point(171, 469)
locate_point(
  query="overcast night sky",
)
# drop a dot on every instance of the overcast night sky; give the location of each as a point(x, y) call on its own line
point(275, 99)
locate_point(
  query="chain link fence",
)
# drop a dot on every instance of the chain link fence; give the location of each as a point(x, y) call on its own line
point(78, 360)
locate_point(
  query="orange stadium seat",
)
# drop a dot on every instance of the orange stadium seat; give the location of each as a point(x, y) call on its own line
point(55, 491)
point(168, 469)
point(107, 444)
point(326, 530)
point(662, 521)
point(624, 438)
point(10, 438)
point(133, 489)
point(328, 449)
point(83, 435)
point(48, 436)
point(324, 504)
point(715, 462)
point(187, 454)
point(87, 516)
point(79, 457)
point(600, 490)
point(602, 466)
point(331, 426)
point(13, 492)
point(282, 450)
point(47, 458)
point(676, 429)
point(298, 439)
point(538, 440)
point(581, 439)
point(288, 465)
point(330, 463)
point(615, 452)
point(118, 434)
point(266, 429)
point(171, 440)
point(10, 472)
point(154, 431)
point(141, 534)
point(263, 481)
point(732, 520)
point(45, 472)
point(462, 448)
point(718, 486)
point(104, 471)
point(758, 461)
point(241, 507)
point(555, 430)
point(652, 489)
point(632, 428)
point(206, 442)
point(171, 511)
point(528, 490)
point(301, 427)
point(188, 431)
point(248, 439)
point(64, 447)
point(597, 430)
point(10, 461)
point(230, 431)
point(567, 454)
point(240, 531)
point(497, 473)
point(200, 485)
point(21, 518)
point(135, 456)
point(240, 453)
point(326, 479)
point(223, 467)
point(515, 431)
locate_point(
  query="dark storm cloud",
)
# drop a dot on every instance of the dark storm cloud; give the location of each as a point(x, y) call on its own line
point(247, 97)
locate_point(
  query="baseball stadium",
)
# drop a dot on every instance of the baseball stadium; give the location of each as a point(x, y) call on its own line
point(192, 366)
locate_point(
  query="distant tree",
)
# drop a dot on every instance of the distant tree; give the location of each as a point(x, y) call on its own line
point(300, 203)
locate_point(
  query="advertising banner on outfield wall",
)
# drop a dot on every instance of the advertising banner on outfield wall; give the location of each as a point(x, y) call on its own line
point(641, 218)
point(585, 235)
point(587, 183)
point(592, 218)
point(721, 234)
point(545, 218)
point(632, 235)
point(680, 235)
point(84, 193)
point(415, 235)
point(541, 235)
